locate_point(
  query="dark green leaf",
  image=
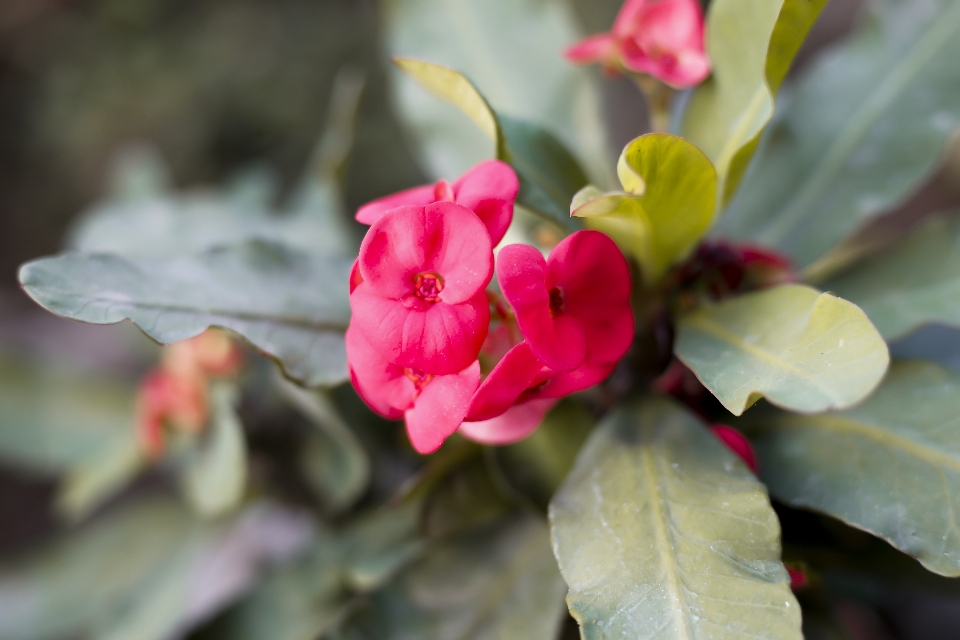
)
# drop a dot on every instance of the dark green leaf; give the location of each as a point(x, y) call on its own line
point(662, 531)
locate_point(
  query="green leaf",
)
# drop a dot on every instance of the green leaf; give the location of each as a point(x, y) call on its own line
point(549, 175)
point(915, 283)
point(666, 206)
point(333, 460)
point(289, 304)
point(500, 582)
point(528, 79)
point(862, 129)
point(660, 529)
point(801, 349)
point(215, 474)
point(751, 44)
point(890, 466)
point(89, 484)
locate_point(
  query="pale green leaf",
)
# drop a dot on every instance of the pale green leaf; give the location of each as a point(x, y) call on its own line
point(215, 473)
point(497, 583)
point(89, 484)
point(915, 283)
point(890, 466)
point(292, 305)
point(801, 349)
point(662, 532)
point(751, 44)
point(509, 48)
point(667, 203)
point(861, 130)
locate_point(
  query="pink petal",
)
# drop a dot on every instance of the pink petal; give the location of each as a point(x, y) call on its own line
point(418, 196)
point(503, 385)
point(595, 280)
point(489, 189)
point(383, 386)
point(599, 48)
point(629, 18)
point(441, 237)
point(516, 424)
point(436, 338)
point(440, 409)
point(559, 342)
point(355, 278)
point(563, 384)
point(737, 443)
point(671, 26)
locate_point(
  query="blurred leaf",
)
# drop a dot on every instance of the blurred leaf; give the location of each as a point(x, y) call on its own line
point(511, 48)
point(333, 460)
point(801, 349)
point(549, 176)
point(291, 305)
point(751, 44)
point(92, 417)
point(215, 475)
point(141, 572)
point(89, 484)
point(660, 529)
point(500, 582)
point(915, 283)
point(666, 208)
point(861, 130)
point(890, 466)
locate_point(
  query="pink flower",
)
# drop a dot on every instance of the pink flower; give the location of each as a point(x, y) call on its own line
point(488, 189)
point(518, 422)
point(737, 443)
point(433, 406)
point(574, 307)
point(418, 290)
point(661, 38)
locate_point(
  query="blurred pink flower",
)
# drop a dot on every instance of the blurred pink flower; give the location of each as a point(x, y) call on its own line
point(488, 189)
point(737, 443)
point(661, 38)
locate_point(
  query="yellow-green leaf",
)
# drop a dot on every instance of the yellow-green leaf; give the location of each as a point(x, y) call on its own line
point(666, 206)
point(662, 533)
point(890, 466)
point(801, 349)
point(751, 45)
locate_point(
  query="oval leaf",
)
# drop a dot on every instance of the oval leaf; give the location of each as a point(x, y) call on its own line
point(660, 529)
point(915, 283)
point(751, 45)
point(291, 305)
point(840, 153)
point(801, 349)
point(668, 202)
point(890, 466)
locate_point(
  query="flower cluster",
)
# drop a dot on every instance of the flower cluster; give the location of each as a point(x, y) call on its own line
point(660, 38)
point(423, 320)
point(175, 395)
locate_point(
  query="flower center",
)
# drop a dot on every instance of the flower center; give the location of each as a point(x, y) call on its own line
point(556, 302)
point(428, 286)
point(419, 378)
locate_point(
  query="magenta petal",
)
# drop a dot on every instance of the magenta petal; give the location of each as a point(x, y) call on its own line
point(629, 18)
point(393, 252)
point(516, 424)
point(563, 384)
point(598, 48)
point(737, 443)
point(418, 196)
point(458, 248)
point(489, 190)
point(440, 409)
point(558, 341)
point(434, 338)
point(383, 386)
point(503, 385)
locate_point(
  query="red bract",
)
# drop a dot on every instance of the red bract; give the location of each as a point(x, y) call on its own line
point(421, 303)
point(433, 406)
point(518, 422)
point(737, 443)
point(488, 189)
point(573, 307)
point(661, 38)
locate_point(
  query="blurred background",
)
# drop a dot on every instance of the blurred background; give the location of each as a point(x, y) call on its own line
point(221, 87)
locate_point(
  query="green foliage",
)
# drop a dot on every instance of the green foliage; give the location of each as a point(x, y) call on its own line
point(915, 283)
point(890, 466)
point(291, 305)
point(666, 206)
point(660, 528)
point(751, 46)
point(801, 349)
point(860, 131)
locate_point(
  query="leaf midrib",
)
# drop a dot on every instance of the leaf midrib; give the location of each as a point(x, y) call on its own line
point(862, 120)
